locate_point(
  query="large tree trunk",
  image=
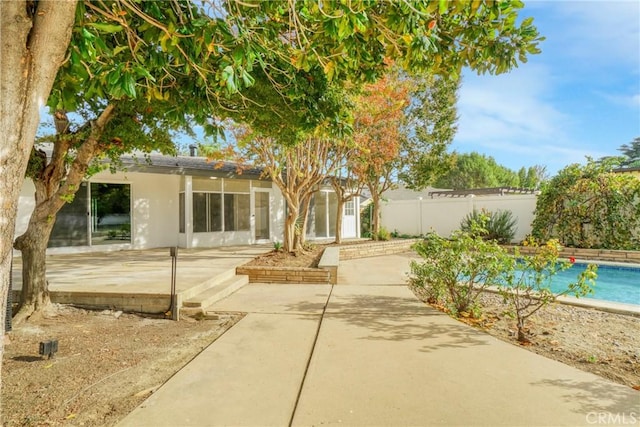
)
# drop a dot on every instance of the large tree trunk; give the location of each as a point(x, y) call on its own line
point(290, 230)
point(33, 245)
point(53, 186)
point(32, 47)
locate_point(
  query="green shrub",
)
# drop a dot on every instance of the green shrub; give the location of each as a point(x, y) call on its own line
point(383, 234)
point(455, 271)
point(499, 226)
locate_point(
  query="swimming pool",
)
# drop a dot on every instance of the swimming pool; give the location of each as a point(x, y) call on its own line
point(614, 283)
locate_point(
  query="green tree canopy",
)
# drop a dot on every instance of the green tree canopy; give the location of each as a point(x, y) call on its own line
point(475, 170)
point(631, 152)
point(630, 155)
point(430, 127)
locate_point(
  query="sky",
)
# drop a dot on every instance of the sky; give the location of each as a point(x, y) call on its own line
point(580, 97)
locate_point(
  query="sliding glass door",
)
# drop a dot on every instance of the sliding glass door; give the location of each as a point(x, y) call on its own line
point(100, 214)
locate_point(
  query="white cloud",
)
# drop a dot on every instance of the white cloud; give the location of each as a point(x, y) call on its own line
point(551, 110)
point(625, 100)
point(512, 107)
point(601, 31)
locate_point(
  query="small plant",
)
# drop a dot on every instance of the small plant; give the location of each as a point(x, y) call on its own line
point(499, 226)
point(383, 234)
point(455, 271)
point(526, 284)
point(277, 246)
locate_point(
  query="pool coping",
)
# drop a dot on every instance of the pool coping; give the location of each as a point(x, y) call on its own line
point(605, 263)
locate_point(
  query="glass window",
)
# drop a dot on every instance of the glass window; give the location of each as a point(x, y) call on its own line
point(261, 184)
point(72, 221)
point(311, 217)
point(207, 212)
point(182, 215)
point(236, 212)
point(350, 208)
point(321, 214)
point(332, 212)
point(200, 213)
point(215, 212)
point(110, 213)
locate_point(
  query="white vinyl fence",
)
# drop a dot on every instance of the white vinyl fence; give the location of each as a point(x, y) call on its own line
point(443, 215)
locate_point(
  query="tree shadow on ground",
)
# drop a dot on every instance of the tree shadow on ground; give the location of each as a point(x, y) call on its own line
point(27, 359)
point(399, 319)
point(596, 397)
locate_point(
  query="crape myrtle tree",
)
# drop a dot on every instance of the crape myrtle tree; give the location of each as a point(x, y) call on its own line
point(379, 116)
point(226, 45)
point(297, 170)
point(344, 181)
point(403, 127)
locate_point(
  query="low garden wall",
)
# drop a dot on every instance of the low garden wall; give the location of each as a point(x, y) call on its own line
point(327, 271)
point(590, 254)
point(364, 250)
point(259, 274)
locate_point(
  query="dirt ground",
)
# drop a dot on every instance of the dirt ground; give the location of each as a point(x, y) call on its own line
point(307, 258)
point(106, 365)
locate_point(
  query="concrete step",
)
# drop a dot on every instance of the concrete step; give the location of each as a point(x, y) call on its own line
point(208, 284)
point(216, 292)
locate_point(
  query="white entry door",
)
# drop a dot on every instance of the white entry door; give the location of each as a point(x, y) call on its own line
point(349, 223)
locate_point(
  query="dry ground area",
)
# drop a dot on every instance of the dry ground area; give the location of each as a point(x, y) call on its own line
point(108, 363)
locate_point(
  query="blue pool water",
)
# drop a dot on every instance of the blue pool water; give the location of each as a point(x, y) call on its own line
point(614, 283)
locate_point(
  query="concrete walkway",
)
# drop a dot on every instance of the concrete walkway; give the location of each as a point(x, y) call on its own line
point(363, 353)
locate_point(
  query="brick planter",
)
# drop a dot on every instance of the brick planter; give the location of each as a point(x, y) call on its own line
point(259, 274)
point(327, 271)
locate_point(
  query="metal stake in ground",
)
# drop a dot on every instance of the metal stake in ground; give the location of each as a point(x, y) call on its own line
point(173, 251)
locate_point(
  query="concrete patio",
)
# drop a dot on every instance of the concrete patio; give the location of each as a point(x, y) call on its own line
point(136, 280)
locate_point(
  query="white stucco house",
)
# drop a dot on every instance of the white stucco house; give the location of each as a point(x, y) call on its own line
point(180, 201)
